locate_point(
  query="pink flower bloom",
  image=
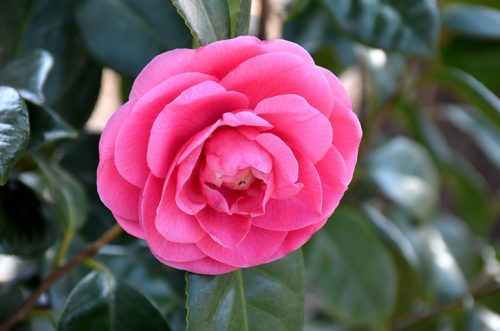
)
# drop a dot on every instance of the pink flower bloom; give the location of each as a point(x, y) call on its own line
point(230, 155)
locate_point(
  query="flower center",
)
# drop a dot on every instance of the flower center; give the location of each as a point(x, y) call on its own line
point(240, 181)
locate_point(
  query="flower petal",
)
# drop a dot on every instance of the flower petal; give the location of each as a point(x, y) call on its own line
point(257, 247)
point(346, 127)
point(163, 249)
point(177, 123)
point(132, 140)
point(205, 266)
point(271, 74)
point(298, 124)
point(226, 230)
point(132, 227)
point(298, 211)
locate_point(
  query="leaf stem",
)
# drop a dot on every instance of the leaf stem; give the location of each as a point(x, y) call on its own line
point(63, 248)
point(89, 251)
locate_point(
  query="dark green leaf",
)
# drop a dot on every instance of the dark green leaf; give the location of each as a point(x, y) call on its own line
point(471, 90)
point(126, 34)
point(240, 16)
point(101, 302)
point(482, 319)
point(73, 84)
point(47, 127)
point(392, 235)
point(13, 17)
point(405, 173)
point(458, 53)
point(268, 297)
point(472, 21)
point(11, 299)
point(346, 264)
point(67, 194)
point(208, 21)
point(409, 26)
point(27, 74)
point(486, 136)
point(24, 228)
point(14, 130)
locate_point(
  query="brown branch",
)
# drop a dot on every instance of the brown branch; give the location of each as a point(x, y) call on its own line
point(264, 17)
point(87, 252)
point(430, 313)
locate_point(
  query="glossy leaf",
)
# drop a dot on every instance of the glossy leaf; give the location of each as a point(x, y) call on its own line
point(67, 194)
point(73, 84)
point(267, 297)
point(471, 90)
point(101, 302)
point(14, 130)
point(480, 318)
point(48, 127)
point(25, 229)
point(239, 12)
point(347, 263)
point(472, 21)
point(27, 74)
point(208, 21)
point(405, 173)
point(125, 34)
point(442, 276)
point(409, 26)
point(486, 136)
point(13, 17)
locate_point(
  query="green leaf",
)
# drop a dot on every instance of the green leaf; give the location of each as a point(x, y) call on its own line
point(47, 127)
point(14, 130)
point(482, 319)
point(486, 136)
point(73, 84)
point(208, 21)
point(267, 297)
point(442, 276)
point(346, 265)
point(455, 233)
point(410, 26)
point(25, 230)
point(67, 193)
point(11, 299)
point(13, 17)
point(392, 235)
point(126, 34)
point(240, 16)
point(472, 21)
point(405, 173)
point(471, 90)
point(27, 74)
point(101, 302)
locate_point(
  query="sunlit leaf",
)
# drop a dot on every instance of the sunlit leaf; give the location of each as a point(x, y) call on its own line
point(472, 21)
point(267, 297)
point(14, 130)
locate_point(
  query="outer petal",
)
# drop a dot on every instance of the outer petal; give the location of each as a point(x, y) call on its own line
point(132, 227)
point(297, 211)
point(346, 128)
point(162, 248)
point(133, 137)
point(108, 137)
point(257, 247)
point(298, 124)
point(271, 74)
point(281, 45)
point(172, 223)
point(188, 195)
point(205, 266)
point(333, 172)
point(177, 123)
point(294, 240)
point(226, 230)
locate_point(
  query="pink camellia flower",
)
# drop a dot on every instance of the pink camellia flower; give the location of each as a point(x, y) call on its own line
point(230, 155)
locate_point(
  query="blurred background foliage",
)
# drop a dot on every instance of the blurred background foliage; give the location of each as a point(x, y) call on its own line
point(414, 245)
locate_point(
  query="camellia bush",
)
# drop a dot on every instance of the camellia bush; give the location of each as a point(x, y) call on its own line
point(241, 185)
